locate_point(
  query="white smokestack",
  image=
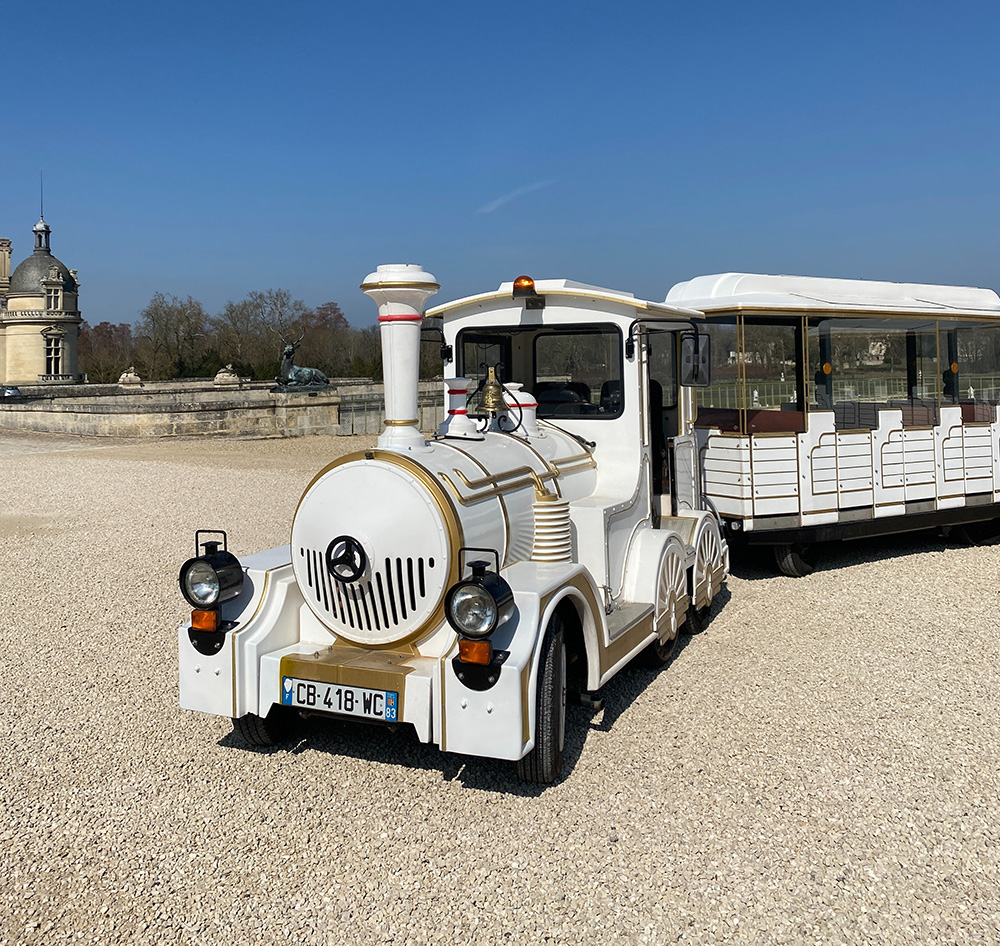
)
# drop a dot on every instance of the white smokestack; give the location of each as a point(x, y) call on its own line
point(400, 290)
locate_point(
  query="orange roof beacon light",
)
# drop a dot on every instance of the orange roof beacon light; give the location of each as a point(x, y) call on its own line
point(524, 288)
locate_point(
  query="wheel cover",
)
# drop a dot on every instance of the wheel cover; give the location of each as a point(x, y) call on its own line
point(708, 566)
point(671, 593)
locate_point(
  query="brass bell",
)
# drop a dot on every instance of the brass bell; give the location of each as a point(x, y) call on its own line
point(492, 396)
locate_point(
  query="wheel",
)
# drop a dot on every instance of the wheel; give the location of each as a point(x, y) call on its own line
point(671, 594)
point(796, 561)
point(696, 621)
point(977, 533)
point(710, 566)
point(544, 763)
point(263, 731)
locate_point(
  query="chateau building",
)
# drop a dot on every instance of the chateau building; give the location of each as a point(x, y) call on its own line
point(39, 318)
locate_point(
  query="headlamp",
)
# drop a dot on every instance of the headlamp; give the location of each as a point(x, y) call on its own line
point(208, 580)
point(477, 606)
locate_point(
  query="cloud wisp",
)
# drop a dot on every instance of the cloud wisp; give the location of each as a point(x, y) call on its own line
point(513, 195)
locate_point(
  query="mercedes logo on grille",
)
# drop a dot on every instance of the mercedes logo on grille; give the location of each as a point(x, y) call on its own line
point(346, 559)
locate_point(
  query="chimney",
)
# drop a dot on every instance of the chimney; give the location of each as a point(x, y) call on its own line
point(400, 290)
point(5, 246)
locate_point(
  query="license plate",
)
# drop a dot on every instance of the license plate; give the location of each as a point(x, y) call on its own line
point(338, 698)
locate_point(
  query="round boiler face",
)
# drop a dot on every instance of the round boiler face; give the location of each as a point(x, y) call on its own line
point(371, 552)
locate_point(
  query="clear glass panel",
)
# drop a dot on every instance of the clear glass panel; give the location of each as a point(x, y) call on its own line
point(972, 353)
point(579, 373)
point(480, 352)
point(769, 356)
point(719, 403)
point(858, 367)
point(755, 374)
point(663, 365)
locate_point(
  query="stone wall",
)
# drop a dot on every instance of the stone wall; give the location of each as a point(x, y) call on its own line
point(197, 408)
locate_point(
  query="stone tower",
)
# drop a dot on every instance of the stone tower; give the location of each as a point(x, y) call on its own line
point(39, 317)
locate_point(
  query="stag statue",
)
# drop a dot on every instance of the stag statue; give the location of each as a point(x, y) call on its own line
point(292, 375)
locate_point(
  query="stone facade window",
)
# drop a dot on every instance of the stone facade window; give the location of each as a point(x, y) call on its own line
point(53, 355)
point(52, 300)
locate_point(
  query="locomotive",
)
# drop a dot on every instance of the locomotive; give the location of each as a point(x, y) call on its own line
point(467, 584)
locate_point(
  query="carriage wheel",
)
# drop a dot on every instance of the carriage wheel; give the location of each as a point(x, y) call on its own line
point(796, 561)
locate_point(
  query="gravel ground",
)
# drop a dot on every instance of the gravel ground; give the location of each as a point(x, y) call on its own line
point(820, 766)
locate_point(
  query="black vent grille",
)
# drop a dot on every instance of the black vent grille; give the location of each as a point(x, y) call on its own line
point(391, 597)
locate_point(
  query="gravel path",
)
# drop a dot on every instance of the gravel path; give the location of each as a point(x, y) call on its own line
point(820, 766)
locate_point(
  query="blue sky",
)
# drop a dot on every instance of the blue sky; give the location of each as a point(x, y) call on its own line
point(215, 148)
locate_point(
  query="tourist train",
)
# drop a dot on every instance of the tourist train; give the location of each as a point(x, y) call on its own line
point(572, 512)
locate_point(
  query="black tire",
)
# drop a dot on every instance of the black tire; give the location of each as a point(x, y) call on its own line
point(795, 561)
point(263, 732)
point(544, 763)
point(977, 533)
point(696, 620)
point(658, 654)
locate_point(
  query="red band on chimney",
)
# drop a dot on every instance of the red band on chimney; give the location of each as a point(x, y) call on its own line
point(458, 411)
point(401, 318)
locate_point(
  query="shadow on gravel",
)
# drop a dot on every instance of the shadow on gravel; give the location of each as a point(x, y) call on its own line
point(399, 745)
point(757, 562)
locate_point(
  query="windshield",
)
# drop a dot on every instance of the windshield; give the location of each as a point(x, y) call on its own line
point(572, 372)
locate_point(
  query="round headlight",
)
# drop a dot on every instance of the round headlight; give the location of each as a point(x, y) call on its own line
point(472, 610)
point(200, 583)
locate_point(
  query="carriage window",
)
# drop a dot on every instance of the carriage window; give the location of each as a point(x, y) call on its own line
point(756, 376)
point(770, 353)
point(972, 369)
point(859, 367)
point(579, 374)
point(719, 404)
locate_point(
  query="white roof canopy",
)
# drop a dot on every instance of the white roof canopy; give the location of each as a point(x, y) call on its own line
point(726, 291)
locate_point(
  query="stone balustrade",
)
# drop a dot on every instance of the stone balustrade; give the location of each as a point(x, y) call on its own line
point(40, 315)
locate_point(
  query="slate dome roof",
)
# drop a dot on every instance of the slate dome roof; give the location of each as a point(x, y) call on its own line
point(30, 272)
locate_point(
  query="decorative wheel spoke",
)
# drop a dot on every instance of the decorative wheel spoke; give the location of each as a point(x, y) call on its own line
point(708, 566)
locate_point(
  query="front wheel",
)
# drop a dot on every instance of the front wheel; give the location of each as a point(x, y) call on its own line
point(261, 732)
point(544, 763)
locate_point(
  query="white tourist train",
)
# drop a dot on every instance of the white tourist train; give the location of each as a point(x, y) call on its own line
point(463, 584)
point(844, 408)
point(572, 512)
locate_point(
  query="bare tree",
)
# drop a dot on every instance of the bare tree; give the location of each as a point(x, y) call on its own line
point(172, 335)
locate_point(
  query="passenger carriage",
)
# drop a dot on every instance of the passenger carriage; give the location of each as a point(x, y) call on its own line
point(551, 531)
point(846, 408)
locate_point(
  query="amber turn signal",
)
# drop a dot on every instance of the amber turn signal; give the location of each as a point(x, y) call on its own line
point(475, 652)
point(205, 620)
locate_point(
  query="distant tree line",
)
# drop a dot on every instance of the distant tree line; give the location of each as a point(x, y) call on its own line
point(177, 338)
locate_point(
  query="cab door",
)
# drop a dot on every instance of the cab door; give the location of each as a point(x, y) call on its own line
point(662, 406)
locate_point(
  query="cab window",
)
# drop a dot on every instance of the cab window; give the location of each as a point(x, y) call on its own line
point(573, 372)
point(579, 373)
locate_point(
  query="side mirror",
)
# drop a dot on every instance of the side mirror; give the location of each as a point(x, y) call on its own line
point(696, 360)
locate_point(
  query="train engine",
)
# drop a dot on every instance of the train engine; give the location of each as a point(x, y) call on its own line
point(552, 530)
